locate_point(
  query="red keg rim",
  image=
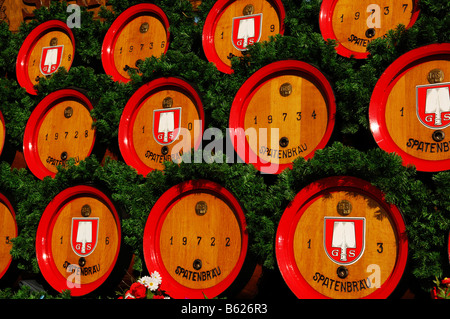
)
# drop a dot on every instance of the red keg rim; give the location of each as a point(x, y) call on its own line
point(116, 28)
point(152, 232)
point(209, 28)
point(28, 46)
point(386, 82)
point(2, 123)
point(133, 105)
point(30, 140)
point(251, 85)
point(326, 27)
point(43, 238)
point(292, 214)
point(7, 203)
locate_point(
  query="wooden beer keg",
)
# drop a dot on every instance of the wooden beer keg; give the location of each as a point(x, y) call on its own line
point(48, 47)
point(409, 110)
point(157, 116)
point(140, 32)
point(59, 128)
point(196, 238)
point(283, 111)
point(78, 240)
point(8, 231)
point(232, 25)
point(339, 239)
point(448, 246)
point(354, 24)
point(2, 132)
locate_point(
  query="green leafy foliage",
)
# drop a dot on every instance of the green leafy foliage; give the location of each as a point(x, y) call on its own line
point(423, 198)
point(26, 292)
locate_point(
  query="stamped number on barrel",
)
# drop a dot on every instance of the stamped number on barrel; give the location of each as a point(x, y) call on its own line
point(199, 240)
point(143, 37)
point(374, 18)
point(66, 135)
point(284, 117)
point(356, 23)
point(140, 47)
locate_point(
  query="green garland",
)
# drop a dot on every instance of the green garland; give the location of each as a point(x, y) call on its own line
point(423, 198)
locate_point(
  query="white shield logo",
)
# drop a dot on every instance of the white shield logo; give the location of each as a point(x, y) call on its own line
point(344, 239)
point(166, 125)
point(246, 31)
point(84, 235)
point(433, 105)
point(51, 59)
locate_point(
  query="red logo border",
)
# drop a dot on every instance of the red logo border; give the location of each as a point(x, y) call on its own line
point(363, 238)
point(71, 234)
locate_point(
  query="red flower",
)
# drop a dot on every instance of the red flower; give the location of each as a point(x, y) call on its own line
point(158, 297)
point(434, 293)
point(445, 281)
point(138, 290)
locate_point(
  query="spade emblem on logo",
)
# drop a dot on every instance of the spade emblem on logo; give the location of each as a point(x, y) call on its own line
point(344, 239)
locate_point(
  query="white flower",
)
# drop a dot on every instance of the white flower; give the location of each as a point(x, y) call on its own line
point(156, 276)
point(144, 280)
point(152, 284)
point(149, 282)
